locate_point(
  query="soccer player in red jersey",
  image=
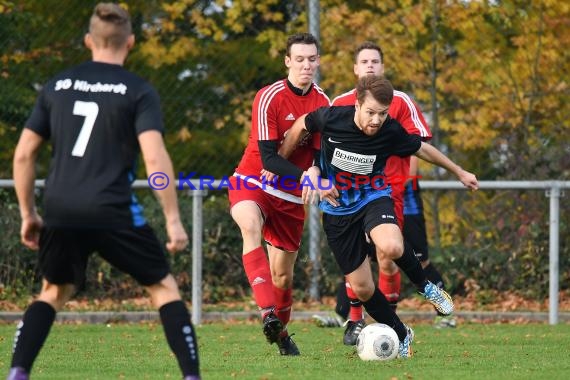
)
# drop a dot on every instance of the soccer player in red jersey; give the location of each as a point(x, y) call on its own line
point(274, 212)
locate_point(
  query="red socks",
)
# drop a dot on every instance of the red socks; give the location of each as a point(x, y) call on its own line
point(258, 274)
point(266, 295)
point(389, 285)
point(284, 298)
point(355, 313)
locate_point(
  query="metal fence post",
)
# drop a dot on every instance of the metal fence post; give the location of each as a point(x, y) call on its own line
point(197, 227)
point(554, 194)
point(314, 213)
point(314, 251)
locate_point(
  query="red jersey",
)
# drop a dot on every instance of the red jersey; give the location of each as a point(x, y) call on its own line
point(403, 109)
point(275, 109)
point(407, 113)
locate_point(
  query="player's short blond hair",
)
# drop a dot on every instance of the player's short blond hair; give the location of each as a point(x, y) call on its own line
point(110, 26)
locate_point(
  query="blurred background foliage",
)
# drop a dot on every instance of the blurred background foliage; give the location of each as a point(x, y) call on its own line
point(491, 76)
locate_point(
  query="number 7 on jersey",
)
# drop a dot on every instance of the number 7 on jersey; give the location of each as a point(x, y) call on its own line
point(89, 110)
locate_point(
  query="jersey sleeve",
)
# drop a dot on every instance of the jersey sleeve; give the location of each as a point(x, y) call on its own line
point(405, 144)
point(325, 102)
point(346, 99)
point(148, 115)
point(264, 120)
point(315, 121)
point(39, 119)
point(409, 115)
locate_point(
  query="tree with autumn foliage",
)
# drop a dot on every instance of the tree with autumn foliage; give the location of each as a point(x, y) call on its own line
point(493, 78)
point(491, 75)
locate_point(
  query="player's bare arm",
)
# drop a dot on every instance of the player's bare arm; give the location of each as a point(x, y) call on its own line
point(24, 177)
point(431, 154)
point(156, 159)
point(293, 136)
point(310, 193)
point(329, 192)
point(286, 150)
point(321, 186)
point(285, 153)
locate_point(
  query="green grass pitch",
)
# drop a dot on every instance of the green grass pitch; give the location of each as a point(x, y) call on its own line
point(238, 351)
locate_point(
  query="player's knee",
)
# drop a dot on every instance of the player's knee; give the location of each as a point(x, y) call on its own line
point(391, 248)
point(56, 295)
point(248, 217)
point(388, 266)
point(363, 291)
point(251, 227)
point(164, 292)
point(283, 280)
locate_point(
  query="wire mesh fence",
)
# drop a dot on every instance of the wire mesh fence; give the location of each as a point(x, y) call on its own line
point(208, 58)
point(206, 84)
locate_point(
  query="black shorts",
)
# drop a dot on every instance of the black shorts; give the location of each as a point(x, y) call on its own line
point(346, 234)
point(415, 235)
point(64, 253)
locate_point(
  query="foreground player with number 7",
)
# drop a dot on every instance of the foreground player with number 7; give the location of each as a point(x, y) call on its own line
point(97, 115)
point(356, 142)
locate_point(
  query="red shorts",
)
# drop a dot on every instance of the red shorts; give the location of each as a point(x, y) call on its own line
point(397, 197)
point(397, 170)
point(284, 220)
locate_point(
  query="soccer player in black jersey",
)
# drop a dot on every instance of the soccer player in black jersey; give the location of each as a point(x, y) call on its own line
point(356, 194)
point(98, 117)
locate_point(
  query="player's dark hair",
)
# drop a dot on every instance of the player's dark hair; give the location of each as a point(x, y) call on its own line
point(110, 25)
point(301, 38)
point(368, 45)
point(378, 87)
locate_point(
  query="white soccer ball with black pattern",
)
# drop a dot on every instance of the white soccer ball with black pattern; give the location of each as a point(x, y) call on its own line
point(377, 341)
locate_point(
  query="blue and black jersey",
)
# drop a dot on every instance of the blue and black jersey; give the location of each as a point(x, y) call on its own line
point(413, 204)
point(354, 161)
point(93, 114)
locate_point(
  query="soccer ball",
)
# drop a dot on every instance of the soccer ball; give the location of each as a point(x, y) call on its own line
point(377, 341)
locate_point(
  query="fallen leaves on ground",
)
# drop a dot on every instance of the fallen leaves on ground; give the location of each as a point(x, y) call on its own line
point(492, 301)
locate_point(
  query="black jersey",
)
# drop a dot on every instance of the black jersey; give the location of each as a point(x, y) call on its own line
point(354, 161)
point(93, 113)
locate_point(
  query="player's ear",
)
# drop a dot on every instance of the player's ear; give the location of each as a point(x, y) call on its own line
point(287, 61)
point(131, 41)
point(88, 41)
